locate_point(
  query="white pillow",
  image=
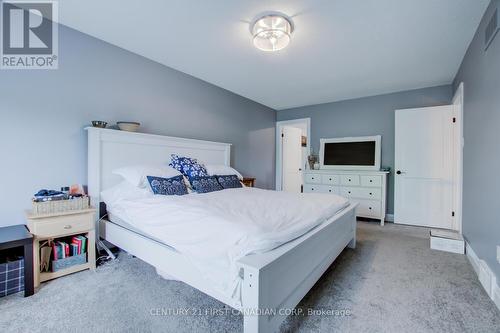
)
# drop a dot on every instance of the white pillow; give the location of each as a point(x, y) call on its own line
point(136, 175)
point(221, 170)
point(123, 191)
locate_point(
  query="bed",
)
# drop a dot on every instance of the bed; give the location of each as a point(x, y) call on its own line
point(273, 280)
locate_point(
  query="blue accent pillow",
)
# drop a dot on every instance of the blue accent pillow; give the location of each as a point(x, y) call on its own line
point(168, 186)
point(188, 166)
point(229, 181)
point(205, 184)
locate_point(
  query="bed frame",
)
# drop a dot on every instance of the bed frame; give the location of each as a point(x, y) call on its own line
point(273, 283)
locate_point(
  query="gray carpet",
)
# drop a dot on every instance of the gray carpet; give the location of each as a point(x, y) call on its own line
point(392, 282)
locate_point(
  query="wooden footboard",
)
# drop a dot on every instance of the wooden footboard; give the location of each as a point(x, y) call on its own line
point(275, 282)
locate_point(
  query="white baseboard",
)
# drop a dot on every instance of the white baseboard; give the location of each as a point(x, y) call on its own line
point(496, 296)
point(389, 217)
point(485, 275)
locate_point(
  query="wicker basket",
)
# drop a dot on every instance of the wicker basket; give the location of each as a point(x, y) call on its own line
point(58, 206)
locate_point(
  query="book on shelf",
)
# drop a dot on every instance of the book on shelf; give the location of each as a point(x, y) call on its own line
point(62, 249)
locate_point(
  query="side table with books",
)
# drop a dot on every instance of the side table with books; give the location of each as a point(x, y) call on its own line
point(64, 242)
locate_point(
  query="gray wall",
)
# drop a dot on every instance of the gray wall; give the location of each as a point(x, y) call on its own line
point(367, 116)
point(480, 72)
point(43, 113)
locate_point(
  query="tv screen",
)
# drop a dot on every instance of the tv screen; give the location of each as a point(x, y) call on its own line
point(349, 153)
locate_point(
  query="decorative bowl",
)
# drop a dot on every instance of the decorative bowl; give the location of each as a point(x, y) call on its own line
point(99, 123)
point(129, 126)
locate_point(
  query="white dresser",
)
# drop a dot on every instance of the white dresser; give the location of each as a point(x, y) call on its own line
point(368, 188)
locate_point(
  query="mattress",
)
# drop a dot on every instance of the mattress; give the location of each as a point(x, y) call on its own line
point(115, 219)
point(213, 230)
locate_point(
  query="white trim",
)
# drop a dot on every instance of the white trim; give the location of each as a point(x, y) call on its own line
point(458, 131)
point(486, 276)
point(378, 150)
point(496, 295)
point(389, 217)
point(279, 150)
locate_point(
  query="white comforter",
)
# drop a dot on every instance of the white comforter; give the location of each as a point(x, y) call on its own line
point(215, 229)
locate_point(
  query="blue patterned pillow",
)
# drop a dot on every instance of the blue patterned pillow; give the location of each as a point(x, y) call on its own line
point(229, 181)
point(188, 166)
point(168, 186)
point(205, 184)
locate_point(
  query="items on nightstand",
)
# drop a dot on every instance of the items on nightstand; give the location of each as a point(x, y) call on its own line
point(16, 272)
point(51, 201)
point(248, 181)
point(64, 243)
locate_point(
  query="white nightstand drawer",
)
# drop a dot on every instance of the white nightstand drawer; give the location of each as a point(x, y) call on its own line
point(313, 179)
point(330, 179)
point(61, 225)
point(375, 181)
point(352, 180)
point(362, 193)
point(368, 208)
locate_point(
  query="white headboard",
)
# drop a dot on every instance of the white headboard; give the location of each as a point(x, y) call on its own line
point(109, 149)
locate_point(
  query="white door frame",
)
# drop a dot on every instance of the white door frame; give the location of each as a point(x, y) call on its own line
point(279, 150)
point(458, 131)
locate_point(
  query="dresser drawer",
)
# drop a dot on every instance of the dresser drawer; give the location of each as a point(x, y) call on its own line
point(368, 208)
point(349, 180)
point(61, 225)
point(313, 179)
point(330, 179)
point(361, 192)
point(375, 181)
point(310, 188)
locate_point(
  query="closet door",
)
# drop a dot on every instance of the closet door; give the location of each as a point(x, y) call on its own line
point(424, 167)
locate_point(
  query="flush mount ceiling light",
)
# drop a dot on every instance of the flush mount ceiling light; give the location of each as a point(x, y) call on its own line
point(271, 32)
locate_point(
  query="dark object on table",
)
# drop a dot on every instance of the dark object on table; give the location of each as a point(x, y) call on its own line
point(99, 124)
point(248, 181)
point(49, 195)
point(18, 236)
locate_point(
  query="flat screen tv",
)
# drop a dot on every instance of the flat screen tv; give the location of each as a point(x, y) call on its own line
point(353, 153)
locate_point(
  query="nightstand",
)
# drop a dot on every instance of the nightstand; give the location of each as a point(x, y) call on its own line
point(250, 182)
point(58, 225)
point(18, 236)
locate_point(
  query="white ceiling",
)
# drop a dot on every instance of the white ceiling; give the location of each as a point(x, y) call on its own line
point(340, 49)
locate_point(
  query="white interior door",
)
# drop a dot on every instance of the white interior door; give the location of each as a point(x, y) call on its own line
point(292, 159)
point(424, 167)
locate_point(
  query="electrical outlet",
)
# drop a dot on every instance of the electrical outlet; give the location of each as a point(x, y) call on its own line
point(498, 253)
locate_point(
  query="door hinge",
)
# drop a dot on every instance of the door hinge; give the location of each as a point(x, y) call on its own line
point(454, 119)
point(452, 214)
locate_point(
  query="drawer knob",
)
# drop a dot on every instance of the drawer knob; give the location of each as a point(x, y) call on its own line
point(369, 208)
point(349, 179)
point(371, 181)
point(349, 192)
point(370, 193)
point(330, 178)
point(329, 190)
point(67, 226)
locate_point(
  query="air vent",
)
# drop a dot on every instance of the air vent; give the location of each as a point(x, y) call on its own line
point(491, 29)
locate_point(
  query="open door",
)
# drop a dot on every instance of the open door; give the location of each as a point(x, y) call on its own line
point(292, 159)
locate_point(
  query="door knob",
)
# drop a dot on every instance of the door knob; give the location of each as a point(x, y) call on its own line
point(398, 172)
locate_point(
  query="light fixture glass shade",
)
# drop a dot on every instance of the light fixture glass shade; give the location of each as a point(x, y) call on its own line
point(271, 33)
